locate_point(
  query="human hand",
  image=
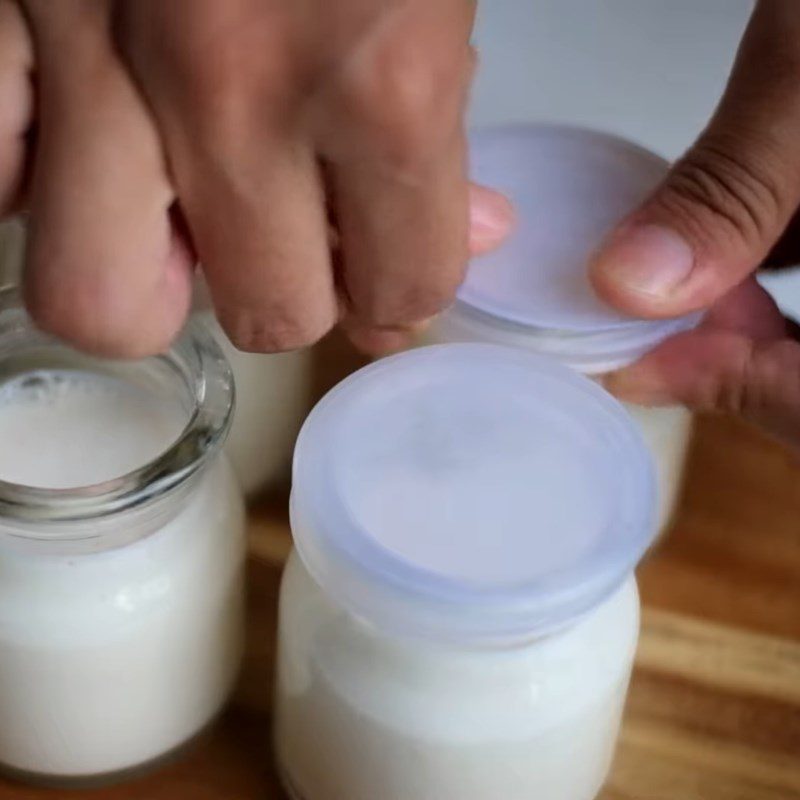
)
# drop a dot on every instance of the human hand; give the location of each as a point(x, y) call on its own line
point(241, 132)
point(727, 207)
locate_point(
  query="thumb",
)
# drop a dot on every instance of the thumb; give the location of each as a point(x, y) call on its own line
point(491, 219)
point(726, 202)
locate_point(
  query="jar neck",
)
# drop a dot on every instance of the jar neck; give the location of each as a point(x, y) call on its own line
point(193, 373)
point(454, 640)
point(74, 538)
point(376, 600)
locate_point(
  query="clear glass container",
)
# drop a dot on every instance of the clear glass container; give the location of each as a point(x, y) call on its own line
point(273, 391)
point(459, 618)
point(569, 187)
point(121, 554)
point(273, 396)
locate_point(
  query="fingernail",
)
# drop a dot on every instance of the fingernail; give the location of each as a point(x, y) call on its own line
point(491, 218)
point(646, 259)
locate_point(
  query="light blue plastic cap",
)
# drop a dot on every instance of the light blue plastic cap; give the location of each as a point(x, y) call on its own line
point(470, 491)
point(569, 187)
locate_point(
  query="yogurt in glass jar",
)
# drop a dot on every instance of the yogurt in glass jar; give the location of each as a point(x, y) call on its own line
point(569, 186)
point(459, 618)
point(121, 554)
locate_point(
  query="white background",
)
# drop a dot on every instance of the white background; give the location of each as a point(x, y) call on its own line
point(648, 70)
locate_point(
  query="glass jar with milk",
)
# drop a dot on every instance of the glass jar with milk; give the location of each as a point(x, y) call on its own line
point(569, 187)
point(121, 553)
point(460, 616)
point(273, 391)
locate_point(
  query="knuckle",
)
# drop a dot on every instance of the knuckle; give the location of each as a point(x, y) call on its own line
point(766, 377)
point(237, 68)
point(403, 110)
point(733, 391)
point(743, 194)
point(222, 78)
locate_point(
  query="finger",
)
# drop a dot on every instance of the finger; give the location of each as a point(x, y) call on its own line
point(16, 103)
point(748, 309)
point(744, 358)
point(248, 180)
point(103, 270)
point(678, 370)
point(725, 203)
point(264, 250)
point(396, 158)
point(725, 371)
point(491, 218)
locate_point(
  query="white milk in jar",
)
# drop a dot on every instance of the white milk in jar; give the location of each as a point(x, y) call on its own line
point(459, 617)
point(569, 187)
point(121, 554)
point(273, 396)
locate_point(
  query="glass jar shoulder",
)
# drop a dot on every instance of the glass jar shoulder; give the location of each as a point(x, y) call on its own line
point(413, 683)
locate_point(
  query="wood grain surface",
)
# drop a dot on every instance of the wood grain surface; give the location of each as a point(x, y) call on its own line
point(714, 708)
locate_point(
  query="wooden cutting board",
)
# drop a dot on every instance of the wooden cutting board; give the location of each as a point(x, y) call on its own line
point(714, 708)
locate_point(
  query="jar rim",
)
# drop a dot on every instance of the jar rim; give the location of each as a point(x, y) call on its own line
point(197, 358)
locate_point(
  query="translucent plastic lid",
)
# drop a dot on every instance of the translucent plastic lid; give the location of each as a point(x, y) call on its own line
point(470, 490)
point(569, 187)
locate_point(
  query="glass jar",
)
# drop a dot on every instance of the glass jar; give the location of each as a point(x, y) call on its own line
point(273, 391)
point(569, 186)
point(459, 618)
point(273, 396)
point(121, 554)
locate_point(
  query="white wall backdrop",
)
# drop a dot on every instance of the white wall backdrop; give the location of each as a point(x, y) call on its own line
point(649, 70)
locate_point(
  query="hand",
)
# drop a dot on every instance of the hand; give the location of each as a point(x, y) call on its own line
point(240, 132)
point(725, 209)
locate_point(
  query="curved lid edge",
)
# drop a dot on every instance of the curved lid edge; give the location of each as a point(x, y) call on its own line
point(390, 593)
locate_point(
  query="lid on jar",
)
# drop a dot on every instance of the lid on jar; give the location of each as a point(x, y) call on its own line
point(569, 187)
point(470, 491)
